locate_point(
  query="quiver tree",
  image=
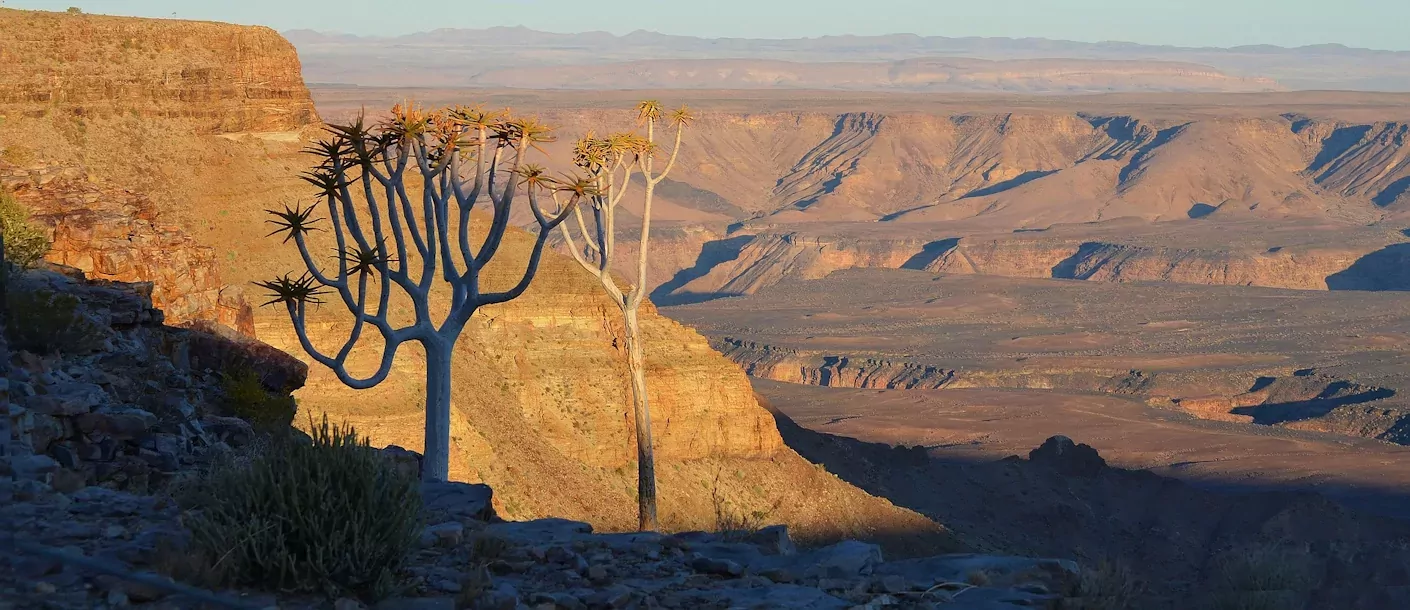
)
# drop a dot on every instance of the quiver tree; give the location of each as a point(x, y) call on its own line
point(610, 164)
point(388, 237)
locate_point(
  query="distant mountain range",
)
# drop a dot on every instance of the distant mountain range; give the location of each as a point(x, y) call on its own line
point(521, 57)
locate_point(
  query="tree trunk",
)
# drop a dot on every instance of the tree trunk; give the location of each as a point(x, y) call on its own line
point(646, 462)
point(435, 465)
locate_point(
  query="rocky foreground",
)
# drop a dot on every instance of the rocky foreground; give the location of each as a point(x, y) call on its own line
point(469, 559)
point(100, 441)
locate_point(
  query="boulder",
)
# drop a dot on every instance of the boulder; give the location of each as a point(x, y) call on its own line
point(119, 423)
point(1063, 455)
point(457, 501)
point(845, 559)
point(232, 431)
point(67, 399)
point(541, 531)
point(207, 345)
point(406, 462)
point(773, 540)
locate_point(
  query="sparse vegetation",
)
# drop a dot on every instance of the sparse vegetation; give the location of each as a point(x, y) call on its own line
point(610, 164)
point(16, 154)
point(46, 322)
point(1109, 585)
point(25, 243)
point(329, 516)
point(484, 549)
point(247, 399)
point(1260, 578)
point(376, 247)
point(731, 520)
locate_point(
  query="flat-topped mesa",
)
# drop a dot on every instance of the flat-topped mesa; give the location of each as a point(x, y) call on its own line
point(225, 78)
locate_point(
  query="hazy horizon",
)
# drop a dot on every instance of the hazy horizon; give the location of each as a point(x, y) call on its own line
point(1370, 24)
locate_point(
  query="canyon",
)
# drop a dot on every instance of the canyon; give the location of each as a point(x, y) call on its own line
point(1204, 286)
point(1292, 190)
point(540, 406)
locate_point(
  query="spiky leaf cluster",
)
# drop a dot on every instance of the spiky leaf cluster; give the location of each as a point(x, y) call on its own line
point(359, 259)
point(295, 221)
point(594, 154)
point(292, 291)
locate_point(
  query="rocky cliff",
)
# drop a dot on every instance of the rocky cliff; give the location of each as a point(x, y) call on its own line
point(114, 234)
point(1304, 256)
point(1039, 164)
point(222, 78)
point(763, 194)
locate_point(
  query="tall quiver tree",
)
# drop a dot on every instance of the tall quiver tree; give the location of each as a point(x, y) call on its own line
point(421, 243)
point(610, 164)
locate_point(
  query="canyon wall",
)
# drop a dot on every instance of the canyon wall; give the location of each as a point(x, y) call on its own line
point(1190, 252)
point(982, 165)
point(222, 78)
point(113, 234)
point(1305, 399)
point(1303, 198)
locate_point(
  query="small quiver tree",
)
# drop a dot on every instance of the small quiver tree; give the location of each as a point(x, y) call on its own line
point(386, 235)
point(610, 164)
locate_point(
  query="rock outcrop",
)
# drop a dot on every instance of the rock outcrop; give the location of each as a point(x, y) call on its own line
point(221, 78)
point(91, 440)
point(140, 404)
point(114, 234)
point(551, 563)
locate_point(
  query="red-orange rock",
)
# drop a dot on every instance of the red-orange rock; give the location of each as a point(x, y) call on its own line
point(111, 234)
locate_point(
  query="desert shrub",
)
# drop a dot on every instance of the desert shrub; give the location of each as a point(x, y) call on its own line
point(1109, 585)
point(16, 154)
point(734, 522)
point(328, 516)
point(47, 322)
point(1260, 578)
point(25, 244)
point(485, 549)
point(73, 10)
point(247, 399)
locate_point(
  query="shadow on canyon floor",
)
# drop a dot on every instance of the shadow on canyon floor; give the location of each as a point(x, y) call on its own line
point(1171, 534)
point(1387, 269)
point(1303, 410)
point(711, 254)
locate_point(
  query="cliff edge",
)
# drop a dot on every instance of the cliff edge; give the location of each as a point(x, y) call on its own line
point(225, 78)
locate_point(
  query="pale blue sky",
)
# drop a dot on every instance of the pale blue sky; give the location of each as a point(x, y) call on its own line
point(1379, 24)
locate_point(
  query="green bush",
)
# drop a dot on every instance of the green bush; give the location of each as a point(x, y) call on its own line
point(330, 516)
point(25, 244)
point(247, 399)
point(46, 322)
